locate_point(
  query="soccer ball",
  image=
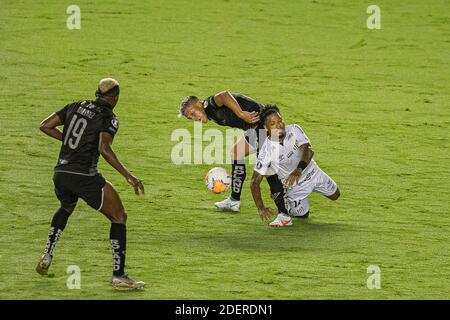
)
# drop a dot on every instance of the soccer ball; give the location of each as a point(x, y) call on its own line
point(218, 180)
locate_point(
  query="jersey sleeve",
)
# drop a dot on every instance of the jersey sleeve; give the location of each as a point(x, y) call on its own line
point(110, 124)
point(63, 112)
point(211, 102)
point(263, 162)
point(300, 135)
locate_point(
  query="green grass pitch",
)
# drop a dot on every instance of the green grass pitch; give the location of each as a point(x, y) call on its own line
point(375, 103)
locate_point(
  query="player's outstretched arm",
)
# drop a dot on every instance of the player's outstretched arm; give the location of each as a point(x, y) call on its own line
point(255, 187)
point(307, 155)
point(225, 98)
point(105, 149)
point(49, 126)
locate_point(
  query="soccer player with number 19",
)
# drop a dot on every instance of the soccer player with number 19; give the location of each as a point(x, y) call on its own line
point(89, 128)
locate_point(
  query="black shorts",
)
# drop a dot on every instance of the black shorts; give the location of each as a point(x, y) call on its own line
point(69, 187)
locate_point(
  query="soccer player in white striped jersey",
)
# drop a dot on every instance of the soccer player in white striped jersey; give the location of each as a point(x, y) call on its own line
point(288, 153)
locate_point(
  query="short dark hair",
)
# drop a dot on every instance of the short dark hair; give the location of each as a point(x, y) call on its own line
point(267, 111)
point(185, 103)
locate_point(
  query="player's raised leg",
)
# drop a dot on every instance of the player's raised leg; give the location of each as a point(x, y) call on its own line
point(113, 209)
point(335, 195)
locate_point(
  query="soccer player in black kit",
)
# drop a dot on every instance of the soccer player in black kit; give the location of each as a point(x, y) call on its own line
point(236, 111)
point(89, 129)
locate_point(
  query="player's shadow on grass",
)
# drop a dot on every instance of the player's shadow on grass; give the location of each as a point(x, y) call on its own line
point(135, 292)
point(53, 284)
point(303, 235)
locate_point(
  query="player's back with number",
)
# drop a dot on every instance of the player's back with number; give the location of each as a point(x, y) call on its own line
point(83, 121)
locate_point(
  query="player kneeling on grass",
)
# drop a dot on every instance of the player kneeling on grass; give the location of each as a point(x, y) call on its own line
point(287, 152)
point(89, 128)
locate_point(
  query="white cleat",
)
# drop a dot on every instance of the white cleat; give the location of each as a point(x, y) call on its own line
point(229, 205)
point(282, 220)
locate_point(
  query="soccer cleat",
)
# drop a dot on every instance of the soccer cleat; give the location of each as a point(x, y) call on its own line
point(126, 282)
point(282, 220)
point(44, 264)
point(229, 205)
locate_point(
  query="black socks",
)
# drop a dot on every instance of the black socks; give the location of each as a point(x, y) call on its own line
point(118, 238)
point(238, 174)
point(237, 182)
point(277, 191)
point(57, 226)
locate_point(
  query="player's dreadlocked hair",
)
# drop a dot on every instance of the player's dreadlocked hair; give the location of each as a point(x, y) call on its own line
point(267, 111)
point(185, 103)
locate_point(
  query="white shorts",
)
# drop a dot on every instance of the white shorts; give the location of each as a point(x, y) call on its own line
point(316, 181)
point(298, 208)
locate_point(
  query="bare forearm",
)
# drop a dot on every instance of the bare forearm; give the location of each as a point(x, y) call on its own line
point(256, 193)
point(111, 158)
point(49, 127)
point(234, 106)
point(226, 99)
point(52, 132)
point(307, 154)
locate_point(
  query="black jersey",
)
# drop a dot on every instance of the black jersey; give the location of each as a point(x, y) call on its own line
point(83, 121)
point(226, 117)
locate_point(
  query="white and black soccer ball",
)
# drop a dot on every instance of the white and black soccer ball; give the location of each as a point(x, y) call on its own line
point(218, 180)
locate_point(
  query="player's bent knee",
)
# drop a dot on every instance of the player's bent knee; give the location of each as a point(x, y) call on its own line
point(234, 154)
point(335, 195)
point(124, 217)
point(68, 207)
point(239, 151)
point(120, 217)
